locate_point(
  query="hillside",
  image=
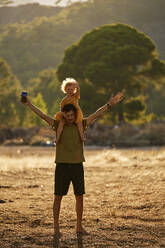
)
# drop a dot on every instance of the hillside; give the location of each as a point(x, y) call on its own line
point(26, 13)
point(34, 42)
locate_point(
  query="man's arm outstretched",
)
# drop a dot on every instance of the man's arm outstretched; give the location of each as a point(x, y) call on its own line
point(112, 101)
point(38, 112)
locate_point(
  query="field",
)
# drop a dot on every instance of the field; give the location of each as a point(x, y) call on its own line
point(124, 202)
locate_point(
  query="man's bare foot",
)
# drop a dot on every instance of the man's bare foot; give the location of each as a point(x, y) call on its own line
point(57, 234)
point(81, 231)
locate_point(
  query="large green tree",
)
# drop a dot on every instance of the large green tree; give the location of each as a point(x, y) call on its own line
point(113, 58)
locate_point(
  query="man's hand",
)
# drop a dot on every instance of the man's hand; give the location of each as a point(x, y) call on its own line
point(27, 101)
point(115, 99)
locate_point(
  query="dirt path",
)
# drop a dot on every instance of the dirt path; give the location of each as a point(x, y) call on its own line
point(124, 201)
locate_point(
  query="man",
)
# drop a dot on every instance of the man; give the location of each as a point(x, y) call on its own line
point(70, 158)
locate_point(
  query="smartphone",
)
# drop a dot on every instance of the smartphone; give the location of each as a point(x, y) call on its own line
point(23, 96)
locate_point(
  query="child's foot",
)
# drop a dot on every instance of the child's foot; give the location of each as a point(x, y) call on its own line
point(83, 139)
point(57, 140)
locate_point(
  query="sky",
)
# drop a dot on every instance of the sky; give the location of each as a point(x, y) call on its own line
point(42, 2)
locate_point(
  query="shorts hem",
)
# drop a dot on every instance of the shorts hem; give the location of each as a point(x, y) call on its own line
point(60, 194)
point(79, 193)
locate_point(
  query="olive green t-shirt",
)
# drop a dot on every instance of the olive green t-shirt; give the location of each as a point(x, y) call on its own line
point(70, 148)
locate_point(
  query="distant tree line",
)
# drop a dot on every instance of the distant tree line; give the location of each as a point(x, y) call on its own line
point(31, 47)
point(106, 60)
point(38, 55)
point(25, 13)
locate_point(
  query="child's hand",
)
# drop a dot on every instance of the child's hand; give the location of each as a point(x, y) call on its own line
point(77, 86)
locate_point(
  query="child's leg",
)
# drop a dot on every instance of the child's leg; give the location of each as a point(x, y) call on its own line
point(59, 130)
point(81, 130)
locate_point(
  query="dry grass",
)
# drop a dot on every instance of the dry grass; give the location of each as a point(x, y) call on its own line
point(124, 202)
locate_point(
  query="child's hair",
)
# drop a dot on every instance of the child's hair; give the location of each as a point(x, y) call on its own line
point(67, 82)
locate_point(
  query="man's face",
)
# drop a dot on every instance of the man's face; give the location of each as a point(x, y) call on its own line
point(69, 116)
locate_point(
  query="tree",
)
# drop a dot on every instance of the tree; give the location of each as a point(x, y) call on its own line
point(31, 46)
point(5, 2)
point(156, 101)
point(31, 119)
point(48, 85)
point(39, 102)
point(113, 58)
point(10, 108)
point(68, 2)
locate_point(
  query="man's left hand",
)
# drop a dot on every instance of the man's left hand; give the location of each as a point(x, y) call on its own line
point(115, 99)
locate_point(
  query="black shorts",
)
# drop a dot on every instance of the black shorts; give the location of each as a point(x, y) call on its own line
point(66, 173)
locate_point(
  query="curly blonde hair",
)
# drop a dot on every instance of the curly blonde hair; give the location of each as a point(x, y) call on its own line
point(67, 82)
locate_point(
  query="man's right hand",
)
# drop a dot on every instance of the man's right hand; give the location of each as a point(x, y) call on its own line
point(27, 101)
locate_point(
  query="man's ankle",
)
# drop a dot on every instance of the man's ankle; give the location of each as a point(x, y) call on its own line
point(79, 227)
point(56, 228)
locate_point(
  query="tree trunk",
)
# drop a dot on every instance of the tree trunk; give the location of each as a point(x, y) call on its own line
point(121, 118)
